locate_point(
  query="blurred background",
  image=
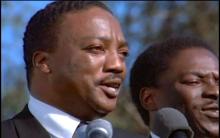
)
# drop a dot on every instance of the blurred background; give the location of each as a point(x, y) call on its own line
point(143, 23)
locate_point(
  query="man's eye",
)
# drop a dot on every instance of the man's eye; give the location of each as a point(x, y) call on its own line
point(125, 53)
point(192, 83)
point(217, 82)
point(95, 49)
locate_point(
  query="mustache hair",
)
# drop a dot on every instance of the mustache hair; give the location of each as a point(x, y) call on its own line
point(111, 78)
point(211, 103)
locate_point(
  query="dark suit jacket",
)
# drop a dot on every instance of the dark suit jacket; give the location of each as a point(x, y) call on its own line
point(24, 125)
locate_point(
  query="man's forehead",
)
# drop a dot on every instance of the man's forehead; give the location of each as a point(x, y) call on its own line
point(202, 73)
point(92, 27)
point(89, 18)
point(89, 13)
point(194, 57)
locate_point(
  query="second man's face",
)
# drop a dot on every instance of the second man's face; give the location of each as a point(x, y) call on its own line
point(88, 67)
point(191, 85)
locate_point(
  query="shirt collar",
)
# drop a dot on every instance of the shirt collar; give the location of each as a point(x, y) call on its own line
point(55, 121)
point(153, 135)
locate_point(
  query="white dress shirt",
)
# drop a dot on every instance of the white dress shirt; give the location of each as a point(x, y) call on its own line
point(57, 123)
point(153, 135)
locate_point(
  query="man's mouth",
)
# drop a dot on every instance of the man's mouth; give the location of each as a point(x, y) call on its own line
point(111, 87)
point(211, 111)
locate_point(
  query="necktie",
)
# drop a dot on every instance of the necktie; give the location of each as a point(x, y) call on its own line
point(80, 130)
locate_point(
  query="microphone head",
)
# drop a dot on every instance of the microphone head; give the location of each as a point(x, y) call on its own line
point(99, 128)
point(168, 120)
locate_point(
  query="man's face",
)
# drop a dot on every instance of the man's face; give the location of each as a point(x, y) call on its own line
point(191, 85)
point(88, 66)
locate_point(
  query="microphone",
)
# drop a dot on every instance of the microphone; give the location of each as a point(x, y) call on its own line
point(99, 128)
point(170, 123)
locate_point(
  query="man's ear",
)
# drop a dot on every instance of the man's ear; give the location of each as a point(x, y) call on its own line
point(40, 61)
point(147, 98)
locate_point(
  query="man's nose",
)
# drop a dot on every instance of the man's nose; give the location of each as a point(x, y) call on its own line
point(114, 63)
point(211, 91)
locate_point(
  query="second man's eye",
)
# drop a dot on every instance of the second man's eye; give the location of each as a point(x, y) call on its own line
point(192, 82)
point(95, 49)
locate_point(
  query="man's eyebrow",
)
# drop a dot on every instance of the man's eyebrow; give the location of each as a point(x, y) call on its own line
point(200, 74)
point(103, 38)
point(122, 43)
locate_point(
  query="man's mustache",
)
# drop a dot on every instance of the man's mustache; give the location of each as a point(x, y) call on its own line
point(112, 78)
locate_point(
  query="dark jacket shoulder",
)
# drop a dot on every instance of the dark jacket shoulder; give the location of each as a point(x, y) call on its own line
point(8, 129)
point(23, 125)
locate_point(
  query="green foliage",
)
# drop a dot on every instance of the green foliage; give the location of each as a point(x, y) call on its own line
point(14, 101)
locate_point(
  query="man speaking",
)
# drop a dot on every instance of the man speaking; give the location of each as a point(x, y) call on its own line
point(181, 73)
point(74, 53)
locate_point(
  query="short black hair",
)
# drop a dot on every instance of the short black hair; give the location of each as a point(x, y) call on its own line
point(41, 31)
point(155, 60)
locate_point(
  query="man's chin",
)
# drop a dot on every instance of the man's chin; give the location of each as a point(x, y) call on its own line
point(209, 132)
point(103, 108)
point(104, 111)
point(214, 134)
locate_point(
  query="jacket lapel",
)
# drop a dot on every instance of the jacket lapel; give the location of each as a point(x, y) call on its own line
point(28, 127)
